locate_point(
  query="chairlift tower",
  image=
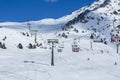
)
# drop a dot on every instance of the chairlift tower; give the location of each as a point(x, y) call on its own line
point(53, 41)
point(35, 33)
point(116, 37)
point(91, 45)
point(29, 25)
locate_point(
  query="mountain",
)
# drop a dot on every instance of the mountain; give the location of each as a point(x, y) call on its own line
point(98, 12)
point(101, 17)
point(99, 20)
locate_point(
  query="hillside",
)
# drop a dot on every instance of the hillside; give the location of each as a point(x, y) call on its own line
point(101, 18)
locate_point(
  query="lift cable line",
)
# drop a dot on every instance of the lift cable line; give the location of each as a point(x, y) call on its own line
point(91, 44)
point(55, 41)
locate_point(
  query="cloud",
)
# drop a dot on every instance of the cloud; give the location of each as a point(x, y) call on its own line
point(51, 0)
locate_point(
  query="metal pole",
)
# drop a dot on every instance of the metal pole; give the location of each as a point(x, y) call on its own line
point(35, 37)
point(52, 55)
point(28, 24)
point(117, 39)
point(117, 48)
point(91, 45)
point(117, 44)
point(113, 23)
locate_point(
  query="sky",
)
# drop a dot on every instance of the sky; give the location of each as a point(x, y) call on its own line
point(22, 10)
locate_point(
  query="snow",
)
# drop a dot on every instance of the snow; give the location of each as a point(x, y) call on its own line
point(100, 62)
point(68, 65)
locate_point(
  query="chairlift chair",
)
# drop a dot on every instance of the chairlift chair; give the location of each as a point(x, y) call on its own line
point(75, 47)
point(59, 50)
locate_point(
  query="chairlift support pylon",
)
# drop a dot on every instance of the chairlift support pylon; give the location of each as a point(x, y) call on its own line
point(53, 41)
point(29, 25)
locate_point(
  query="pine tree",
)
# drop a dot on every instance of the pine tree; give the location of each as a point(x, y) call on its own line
point(91, 36)
point(3, 46)
point(20, 46)
point(105, 42)
point(34, 46)
point(27, 34)
point(0, 45)
point(30, 46)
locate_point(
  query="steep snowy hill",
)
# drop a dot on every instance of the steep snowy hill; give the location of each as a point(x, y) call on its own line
point(102, 18)
point(99, 11)
point(98, 16)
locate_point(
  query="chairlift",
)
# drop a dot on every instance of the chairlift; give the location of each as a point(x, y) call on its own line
point(60, 50)
point(75, 47)
point(60, 47)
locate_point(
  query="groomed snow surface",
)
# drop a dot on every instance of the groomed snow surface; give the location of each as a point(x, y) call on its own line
point(35, 64)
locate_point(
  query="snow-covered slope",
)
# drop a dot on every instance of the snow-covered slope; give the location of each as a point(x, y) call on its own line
point(101, 18)
point(99, 63)
point(94, 61)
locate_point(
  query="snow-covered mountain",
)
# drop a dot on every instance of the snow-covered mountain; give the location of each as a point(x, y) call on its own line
point(96, 15)
point(102, 18)
point(89, 29)
point(98, 12)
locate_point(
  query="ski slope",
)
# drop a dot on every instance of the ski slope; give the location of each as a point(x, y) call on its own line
point(68, 65)
point(97, 63)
